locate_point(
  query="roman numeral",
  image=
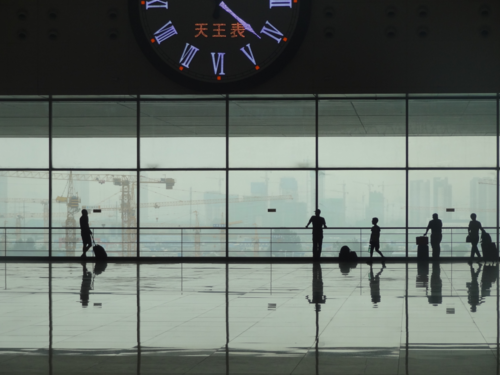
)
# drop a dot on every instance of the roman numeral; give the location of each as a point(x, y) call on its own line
point(280, 3)
point(248, 53)
point(271, 31)
point(218, 63)
point(165, 32)
point(187, 55)
point(156, 4)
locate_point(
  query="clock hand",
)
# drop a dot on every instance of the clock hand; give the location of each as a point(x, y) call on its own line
point(245, 25)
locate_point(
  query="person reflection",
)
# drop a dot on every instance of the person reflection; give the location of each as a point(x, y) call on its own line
point(86, 285)
point(474, 227)
point(488, 277)
point(473, 288)
point(375, 285)
point(317, 287)
point(435, 225)
point(422, 275)
point(436, 296)
point(317, 298)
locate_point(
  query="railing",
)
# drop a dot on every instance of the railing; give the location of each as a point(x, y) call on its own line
point(211, 242)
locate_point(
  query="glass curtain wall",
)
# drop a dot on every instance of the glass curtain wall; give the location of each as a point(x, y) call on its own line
point(240, 176)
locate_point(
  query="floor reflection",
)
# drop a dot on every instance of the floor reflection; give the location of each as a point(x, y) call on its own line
point(249, 318)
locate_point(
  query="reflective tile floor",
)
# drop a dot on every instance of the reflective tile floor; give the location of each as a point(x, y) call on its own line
point(249, 319)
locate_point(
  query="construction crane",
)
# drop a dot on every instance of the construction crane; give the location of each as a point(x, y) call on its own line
point(197, 236)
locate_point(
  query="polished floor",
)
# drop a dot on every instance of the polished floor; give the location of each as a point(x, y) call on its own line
point(71, 318)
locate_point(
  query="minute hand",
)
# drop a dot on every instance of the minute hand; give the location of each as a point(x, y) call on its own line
point(245, 25)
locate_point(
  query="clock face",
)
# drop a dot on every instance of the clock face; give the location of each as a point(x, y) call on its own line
point(219, 45)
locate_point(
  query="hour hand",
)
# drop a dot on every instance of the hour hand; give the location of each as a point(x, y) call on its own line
point(245, 24)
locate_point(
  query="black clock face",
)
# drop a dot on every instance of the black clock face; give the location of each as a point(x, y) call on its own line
point(219, 44)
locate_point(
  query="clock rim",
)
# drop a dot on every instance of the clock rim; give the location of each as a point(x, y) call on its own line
point(290, 50)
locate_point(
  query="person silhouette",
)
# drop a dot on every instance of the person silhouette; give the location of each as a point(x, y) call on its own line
point(86, 285)
point(85, 232)
point(318, 223)
point(436, 296)
point(375, 285)
point(473, 288)
point(474, 227)
point(375, 239)
point(435, 225)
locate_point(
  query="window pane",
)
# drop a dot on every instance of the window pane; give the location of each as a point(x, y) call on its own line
point(183, 199)
point(183, 134)
point(465, 192)
point(24, 197)
point(24, 135)
point(94, 135)
point(113, 192)
point(271, 134)
point(353, 198)
point(252, 193)
point(362, 133)
point(452, 133)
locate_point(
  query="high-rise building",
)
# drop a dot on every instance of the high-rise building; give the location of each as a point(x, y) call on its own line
point(419, 209)
point(3, 196)
point(483, 200)
point(442, 197)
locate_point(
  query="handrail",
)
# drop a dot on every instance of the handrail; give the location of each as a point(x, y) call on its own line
point(235, 228)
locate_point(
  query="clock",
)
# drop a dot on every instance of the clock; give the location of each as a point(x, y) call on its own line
point(219, 45)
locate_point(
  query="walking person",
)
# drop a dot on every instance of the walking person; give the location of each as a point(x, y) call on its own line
point(436, 226)
point(85, 232)
point(318, 223)
point(375, 239)
point(473, 237)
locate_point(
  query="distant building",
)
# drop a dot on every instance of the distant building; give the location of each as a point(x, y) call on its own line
point(483, 200)
point(333, 210)
point(3, 196)
point(442, 197)
point(419, 203)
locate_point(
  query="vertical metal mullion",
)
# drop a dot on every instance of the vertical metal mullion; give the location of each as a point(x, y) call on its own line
point(316, 103)
point(227, 318)
point(50, 176)
point(498, 164)
point(139, 351)
point(227, 176)
point(406, 171)
point(50, 321)
point(138, 166)
point(407, 323)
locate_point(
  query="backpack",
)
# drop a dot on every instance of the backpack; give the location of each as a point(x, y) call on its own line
point(344, 253)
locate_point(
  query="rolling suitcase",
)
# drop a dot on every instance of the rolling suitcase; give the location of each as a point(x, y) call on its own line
point(423, 252)
point(99, 251)
point(490, 251)
point(423, 240)
point(489, 248)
